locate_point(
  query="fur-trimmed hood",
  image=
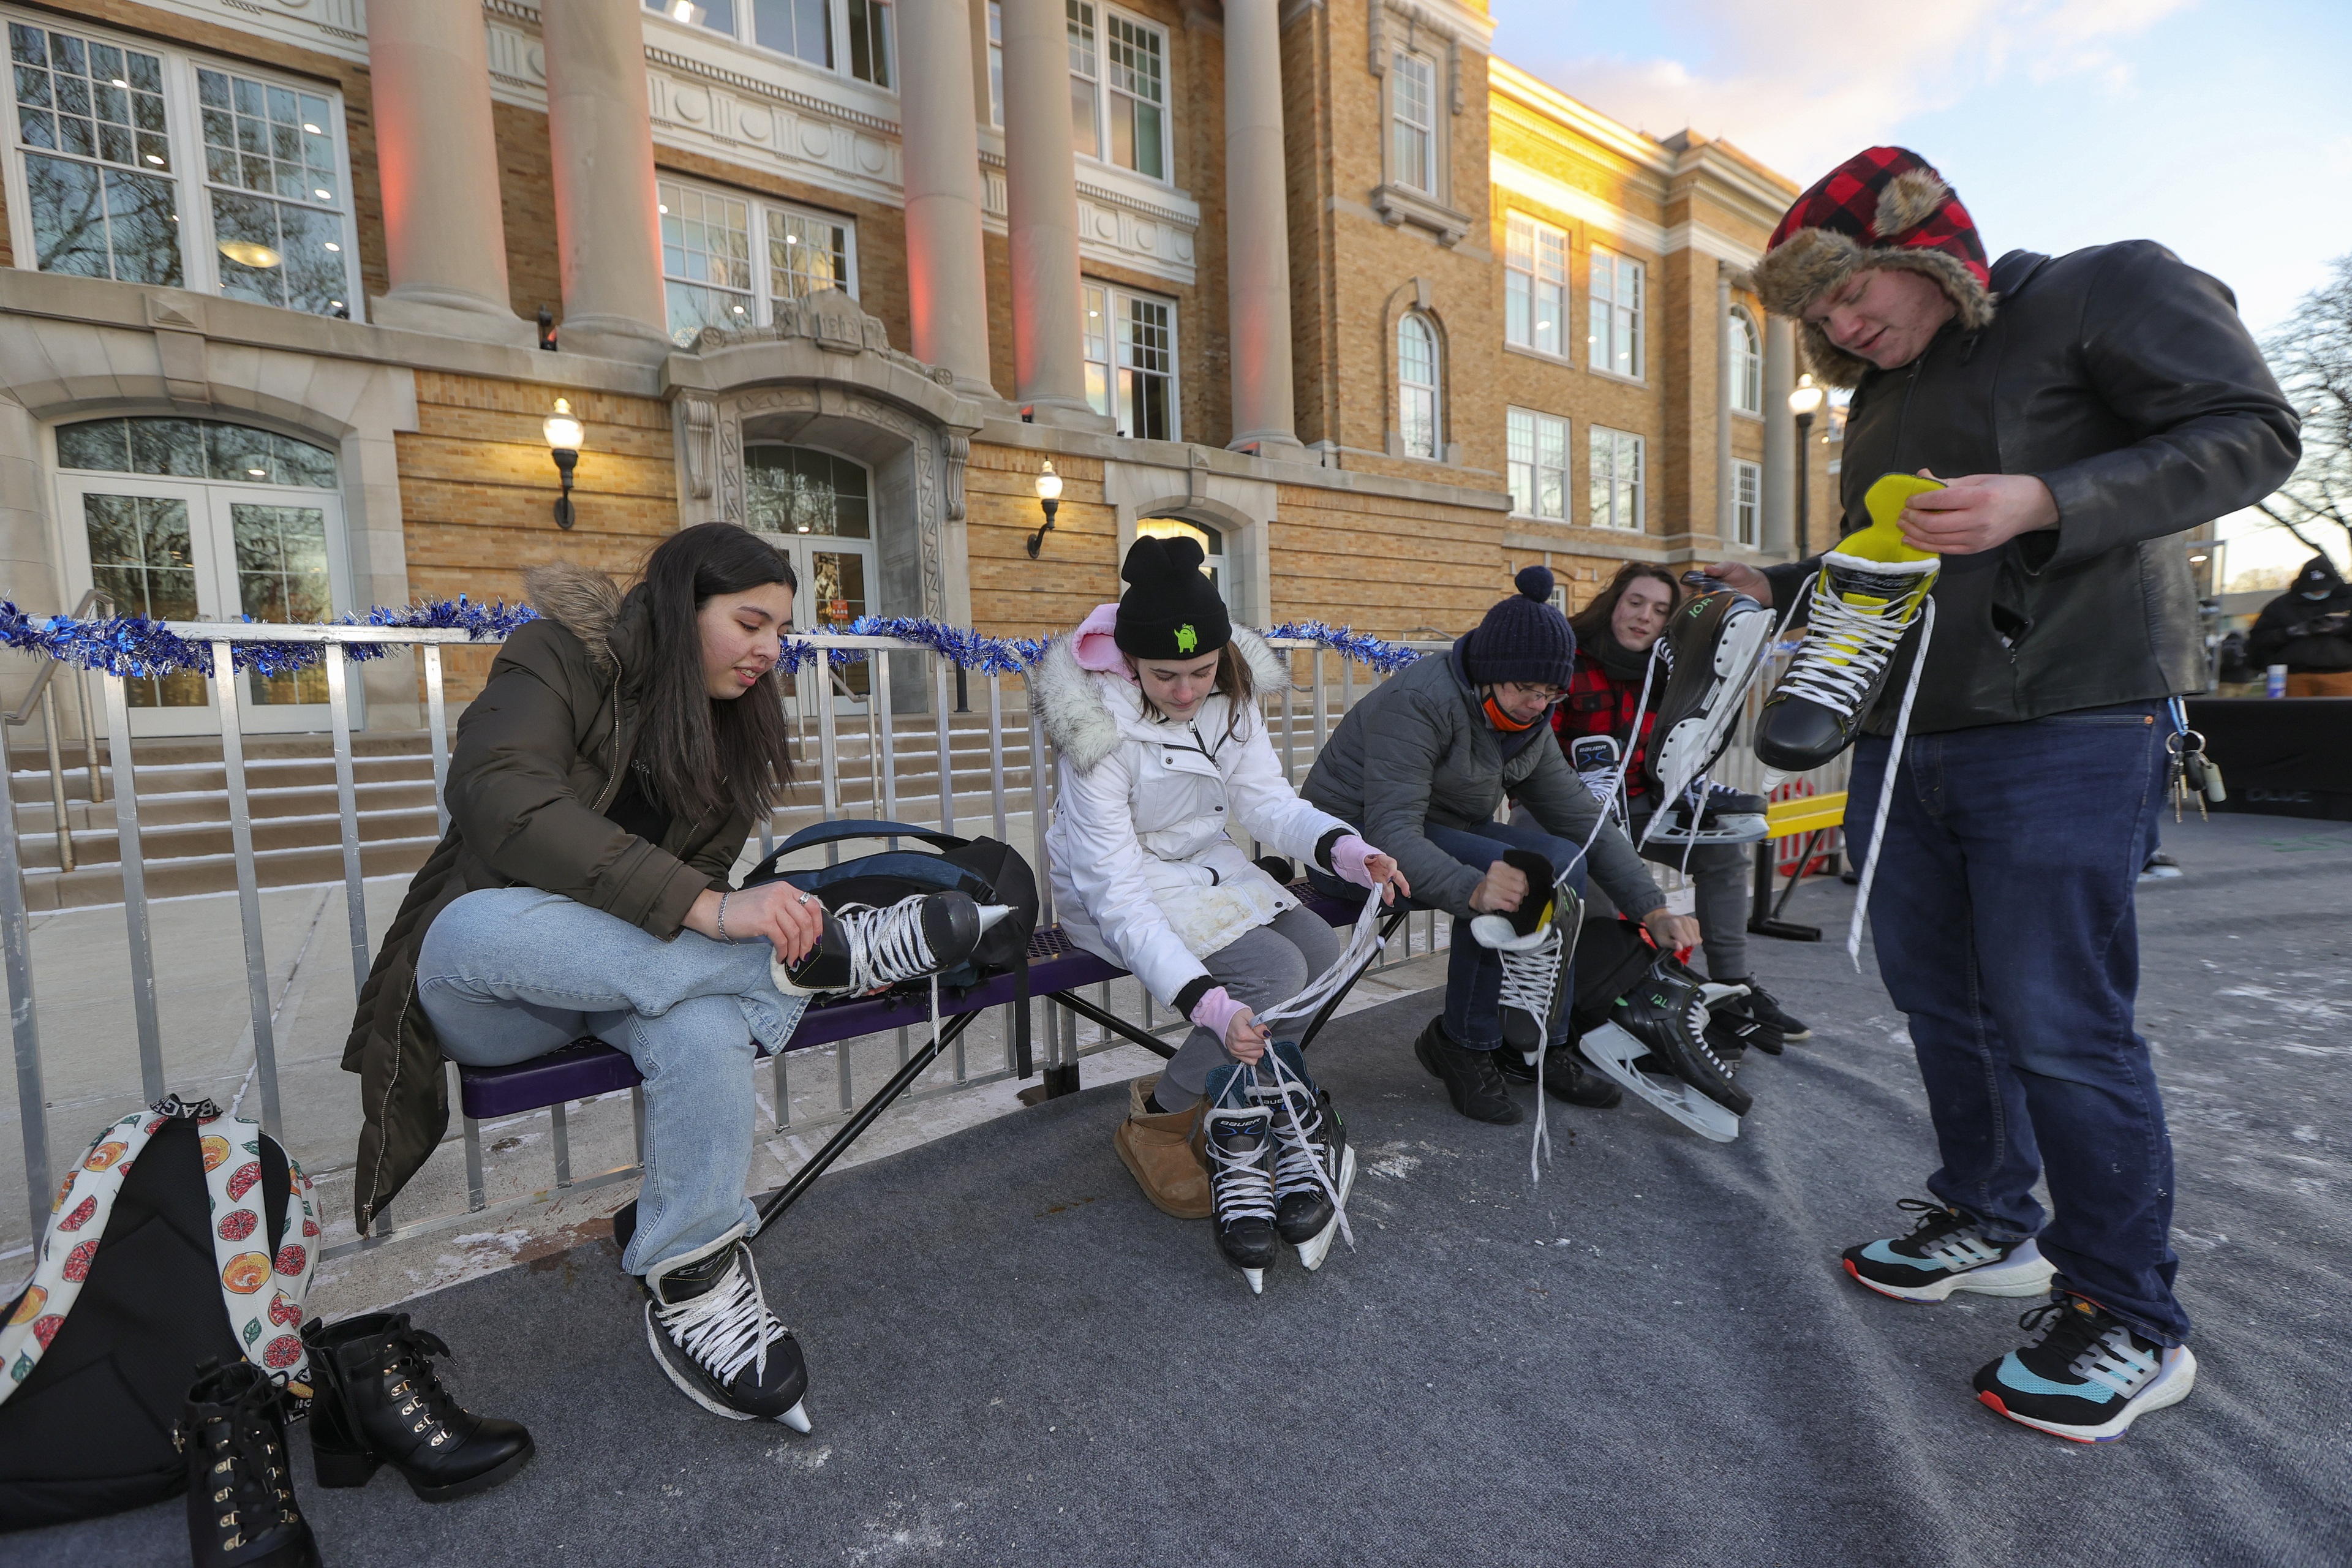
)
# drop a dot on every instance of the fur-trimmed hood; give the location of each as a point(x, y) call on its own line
point(583, 601)
point(1886, 208)
point(1085, 712)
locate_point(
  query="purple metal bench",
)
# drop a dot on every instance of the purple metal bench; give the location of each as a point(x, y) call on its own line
point(1057, 969)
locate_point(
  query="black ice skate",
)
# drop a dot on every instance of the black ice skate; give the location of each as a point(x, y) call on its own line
point(868, 949)
point(1656, 1045)
point(1599, 764)
point(1240, 1143)
point(711, 1329)
point(1314, 1168)
point(1714, 647)
point(1530, 943)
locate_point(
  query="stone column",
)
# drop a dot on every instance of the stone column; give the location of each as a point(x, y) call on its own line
point(438, 158)
point(1257, 230)
point(1041, 180)
point(947, 282)
point(1723, 530)
point(1779, 435)
point(607, 225)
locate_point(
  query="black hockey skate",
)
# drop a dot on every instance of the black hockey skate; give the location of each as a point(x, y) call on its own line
point(1871, 587)
point(1239, 1142)
point(1596, 761)
point(1654, 1043)
point(710, 1329)
point(867, 949)
point(1531, 942)
point(1313, 1166)
point(1714, 647)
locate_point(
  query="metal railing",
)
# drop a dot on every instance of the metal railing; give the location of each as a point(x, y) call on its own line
point(43, 694)
point(910, 721)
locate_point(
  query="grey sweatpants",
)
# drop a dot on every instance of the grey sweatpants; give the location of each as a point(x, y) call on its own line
point(1268, 963)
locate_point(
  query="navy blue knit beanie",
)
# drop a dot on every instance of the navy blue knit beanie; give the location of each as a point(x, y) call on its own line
point(1523, 638)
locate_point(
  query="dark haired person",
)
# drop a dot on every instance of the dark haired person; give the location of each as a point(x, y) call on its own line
point(2308, 628)
point(1422, 762)
point(601, 787)
point(1163, 756)
point(2080, 410)
point(1614, 635)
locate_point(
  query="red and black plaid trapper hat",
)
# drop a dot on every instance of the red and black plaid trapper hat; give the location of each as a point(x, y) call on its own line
point(1883, 207)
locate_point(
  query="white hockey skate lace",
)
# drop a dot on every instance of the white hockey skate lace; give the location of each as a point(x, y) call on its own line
point(886, 946)
point(1242, 1187)
point(729, 1326)
point(1844, 653)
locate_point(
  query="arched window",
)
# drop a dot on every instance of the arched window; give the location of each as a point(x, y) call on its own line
point(1212, 542)
point(1417, 385)
point(1747, 364)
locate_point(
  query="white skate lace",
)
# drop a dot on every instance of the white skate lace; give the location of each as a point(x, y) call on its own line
point(729, 1326)
point(1844, 652)
point(1296, 1165)
point(887, 946)
point(1242, 1189)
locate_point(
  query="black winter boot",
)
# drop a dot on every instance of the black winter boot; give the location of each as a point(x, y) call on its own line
point(241, 1511)
point(380, 1402)
point(1473, 1079)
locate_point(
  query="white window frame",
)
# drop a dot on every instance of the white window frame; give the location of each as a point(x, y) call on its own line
point(1422, 72)
point(1411, 393)
point(1537, 453)
point(1746, 503)
point(1091, 63)
point(200, 269)
point(760, 213)
point(742, 28)
point(1110, 388)
point(1747, 378)
point(1616, 478)
point(1535, 274)
point(1613, 322)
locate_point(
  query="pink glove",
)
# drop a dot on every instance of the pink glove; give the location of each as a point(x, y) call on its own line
point(1348, 857)
point(1214, 1011)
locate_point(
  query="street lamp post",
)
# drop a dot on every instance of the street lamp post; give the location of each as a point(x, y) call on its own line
point(1804, 402)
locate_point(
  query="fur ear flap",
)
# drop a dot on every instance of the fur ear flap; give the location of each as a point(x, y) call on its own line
point(1798, 269)
point(1910, 199)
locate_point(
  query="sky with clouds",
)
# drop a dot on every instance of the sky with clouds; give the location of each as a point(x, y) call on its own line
point(2221, 127)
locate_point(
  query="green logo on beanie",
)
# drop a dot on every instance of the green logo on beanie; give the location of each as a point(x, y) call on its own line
point(1187, 639)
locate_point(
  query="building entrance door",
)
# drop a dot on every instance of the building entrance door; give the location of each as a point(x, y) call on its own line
point(818, 508)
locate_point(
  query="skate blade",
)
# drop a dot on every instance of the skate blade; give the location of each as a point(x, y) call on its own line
point(797, 1417)
point(1313, 1251)
point(1745, 827)
point(1615, 1052)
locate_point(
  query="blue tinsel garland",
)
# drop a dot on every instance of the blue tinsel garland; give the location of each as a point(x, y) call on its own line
point(134, 646)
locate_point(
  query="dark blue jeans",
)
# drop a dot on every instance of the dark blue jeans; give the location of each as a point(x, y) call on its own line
point(2002, 915)
point(1474, 974)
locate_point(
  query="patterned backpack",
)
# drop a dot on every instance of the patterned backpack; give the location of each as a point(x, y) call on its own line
point(182, 1235)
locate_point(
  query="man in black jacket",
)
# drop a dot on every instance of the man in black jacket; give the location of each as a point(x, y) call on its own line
point(2081, 410)
point(2308, 628)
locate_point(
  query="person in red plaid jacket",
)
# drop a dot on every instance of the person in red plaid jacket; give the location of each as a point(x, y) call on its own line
point(1613, 637)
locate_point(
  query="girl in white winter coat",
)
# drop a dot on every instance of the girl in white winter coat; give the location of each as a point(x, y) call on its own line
point(1164, 764)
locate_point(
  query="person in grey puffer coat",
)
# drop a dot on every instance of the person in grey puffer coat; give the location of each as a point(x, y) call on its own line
point(1420, 767)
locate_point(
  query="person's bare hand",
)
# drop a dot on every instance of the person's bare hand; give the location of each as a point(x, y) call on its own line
point(790, 919)
point(1670, 931)
point(1500, 890)
point(1382, 870)
point(1244, 1037)
point(1977, 512)
point(1746, 579)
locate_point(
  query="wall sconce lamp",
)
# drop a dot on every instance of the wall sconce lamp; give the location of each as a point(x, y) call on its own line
point(1049, 497)
point(564, 433)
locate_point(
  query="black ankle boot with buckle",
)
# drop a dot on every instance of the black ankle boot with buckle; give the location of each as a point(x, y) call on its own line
point(381, 1402)
point(241, 1509)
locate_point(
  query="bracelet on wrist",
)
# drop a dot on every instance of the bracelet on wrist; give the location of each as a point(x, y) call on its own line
point(723, 917)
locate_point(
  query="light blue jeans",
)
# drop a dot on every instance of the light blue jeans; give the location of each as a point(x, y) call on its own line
point(509, 973)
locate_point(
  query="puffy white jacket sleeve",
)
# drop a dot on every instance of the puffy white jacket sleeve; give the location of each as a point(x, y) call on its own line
point(1262, 803)
point(1107, 870)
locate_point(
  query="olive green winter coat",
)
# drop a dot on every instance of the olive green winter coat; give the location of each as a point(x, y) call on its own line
point(539, 755)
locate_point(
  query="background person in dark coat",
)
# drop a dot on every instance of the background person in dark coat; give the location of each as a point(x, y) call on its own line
point(2308, 628)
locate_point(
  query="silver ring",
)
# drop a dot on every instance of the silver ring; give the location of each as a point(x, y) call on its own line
point(804, 898)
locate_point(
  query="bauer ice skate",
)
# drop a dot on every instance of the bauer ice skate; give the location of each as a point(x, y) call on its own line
point(1239, 1144)
point(1531, 942)
point(1713, 647)
point(868, 949)
point(1314, 1168)
point(1871, 589)
point(1656, 1045)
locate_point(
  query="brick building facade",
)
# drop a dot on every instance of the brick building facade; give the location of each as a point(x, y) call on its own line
point(847, 271)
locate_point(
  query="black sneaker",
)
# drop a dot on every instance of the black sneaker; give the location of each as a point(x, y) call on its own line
point(1664, 1010)
point(1946, 1252)
point(1239, 1144)
point(1765, 1007)
point(711, 1329)
point(1565, 1076)
point(2085, 1375)
point(1473, 1079)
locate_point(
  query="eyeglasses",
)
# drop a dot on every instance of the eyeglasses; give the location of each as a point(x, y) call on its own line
point(1549, 693)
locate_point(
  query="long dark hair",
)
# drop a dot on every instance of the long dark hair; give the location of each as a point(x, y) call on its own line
point(702, 755)
point(1234, 681)
point(1592, 622)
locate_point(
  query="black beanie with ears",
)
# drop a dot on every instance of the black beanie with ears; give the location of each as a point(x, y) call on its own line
point(1170, 609)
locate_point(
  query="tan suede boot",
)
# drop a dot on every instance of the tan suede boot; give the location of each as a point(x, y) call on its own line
point(1157, 1148)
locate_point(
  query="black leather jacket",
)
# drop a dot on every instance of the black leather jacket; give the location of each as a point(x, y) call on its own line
point(2123, 379)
